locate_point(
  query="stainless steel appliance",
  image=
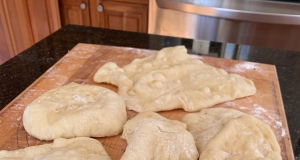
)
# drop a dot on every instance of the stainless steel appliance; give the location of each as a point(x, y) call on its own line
point(263, 23)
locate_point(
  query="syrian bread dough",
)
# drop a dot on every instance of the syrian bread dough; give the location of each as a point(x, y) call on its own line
point(151, 136)
point(172, 79)
point(75, 110)
point(81, 148)
point(229, 134)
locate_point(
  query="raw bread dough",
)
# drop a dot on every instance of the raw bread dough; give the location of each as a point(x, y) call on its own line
point(153, 137)
point(229, 134)
point(172, 79)
point(204, 125)
point(75, 110)
point(81, 148)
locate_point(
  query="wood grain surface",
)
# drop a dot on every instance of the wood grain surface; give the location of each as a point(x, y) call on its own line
point(80, 64)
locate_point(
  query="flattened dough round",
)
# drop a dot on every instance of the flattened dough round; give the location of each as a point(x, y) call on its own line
point(172, 79)
point(229, 134)
point(152, 137)
point(80, 148)
point(75, 110)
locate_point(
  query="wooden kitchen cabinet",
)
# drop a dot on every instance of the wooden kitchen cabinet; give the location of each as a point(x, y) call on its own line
point(75, 12)
point(5, 51)
point(25, 22)
point(44, 17)
point(119, 15)
point(17, 22)
point(127, 15)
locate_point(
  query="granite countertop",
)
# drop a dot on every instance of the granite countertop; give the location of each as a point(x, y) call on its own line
point(19, 72)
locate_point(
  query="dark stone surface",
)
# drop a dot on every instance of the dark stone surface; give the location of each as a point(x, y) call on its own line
point(19, 72)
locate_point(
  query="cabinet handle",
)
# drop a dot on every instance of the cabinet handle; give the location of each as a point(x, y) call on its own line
point(82, 6)
point(100, 8)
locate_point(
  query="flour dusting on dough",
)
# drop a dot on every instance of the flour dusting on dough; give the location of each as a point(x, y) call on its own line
point(268, 116)
point(271, 118)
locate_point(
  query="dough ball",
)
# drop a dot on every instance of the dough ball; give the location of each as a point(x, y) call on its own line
point(172, 79)
point(81, 148)
point(229, 134)
point(75, 110)
point(152, 137)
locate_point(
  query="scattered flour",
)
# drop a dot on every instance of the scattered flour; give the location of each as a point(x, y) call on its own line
point(242, 67)
point(268, 116)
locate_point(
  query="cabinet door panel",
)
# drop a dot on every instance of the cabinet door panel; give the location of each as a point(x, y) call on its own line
point(24, 22)
point(43, 21)
point(133, 21)
point(114, 20)
point(72, 13)
point(53, 14)
point(6, 50)
point(120, 15)
point(4, 46)
point(18, 24)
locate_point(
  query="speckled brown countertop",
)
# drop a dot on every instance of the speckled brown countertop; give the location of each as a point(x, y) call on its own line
point(19, 72)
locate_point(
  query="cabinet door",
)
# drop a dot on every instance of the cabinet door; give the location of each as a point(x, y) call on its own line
point(119, 15)
point(25, 22)
point(6, 51)
point(44, 17)
point(75, 12)
point(18, 23)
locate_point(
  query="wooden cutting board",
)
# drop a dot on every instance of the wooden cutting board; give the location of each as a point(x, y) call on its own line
point(80, 64)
